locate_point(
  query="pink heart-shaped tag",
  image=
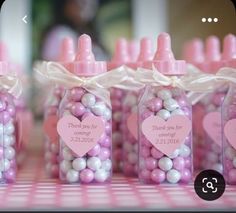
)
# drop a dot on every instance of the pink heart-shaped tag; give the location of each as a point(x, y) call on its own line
point(212, 126)
point(80, 136)
point(168, 135)
point(50, 128)
point(230, 132)
point(132, 124)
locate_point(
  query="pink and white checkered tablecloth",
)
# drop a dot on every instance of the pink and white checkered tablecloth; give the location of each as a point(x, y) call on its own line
point(33, 190)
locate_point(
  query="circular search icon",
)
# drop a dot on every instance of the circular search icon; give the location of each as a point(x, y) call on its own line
point(209, 185)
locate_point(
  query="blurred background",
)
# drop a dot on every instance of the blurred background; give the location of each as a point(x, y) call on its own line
point(48, 21)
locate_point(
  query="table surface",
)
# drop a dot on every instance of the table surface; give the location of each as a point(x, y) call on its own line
point(34, 190)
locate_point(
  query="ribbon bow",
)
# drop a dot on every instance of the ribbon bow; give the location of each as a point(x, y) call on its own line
point(97, 85)
point(209, 82)
point(12, 84)
point(196, 82)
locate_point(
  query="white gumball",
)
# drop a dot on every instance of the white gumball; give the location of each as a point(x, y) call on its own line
point(99, 108)
point(100, 175)
point(164, 94)
point(177, 112)
point(165, 163)
point(12, 139)
point(107, 165)
point(9, 153)
point(171, 104)
point(174, 154)
point(164, 114)
point(79, 164)
point(107, 114)
point(173, 176)
point(65, 166)
point(88, 100)
point(67, 154)
point(230, 153)
point(184, 151)
point(132, 157)
point(4, 165)
point(7, 140)
point(72, 176)
point(54, 148)
point(218, 167)
point(9, 128)
point(94, 163)
point(117, 116)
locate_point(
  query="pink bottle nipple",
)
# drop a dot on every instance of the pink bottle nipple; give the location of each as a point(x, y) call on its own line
point(146, 51)
point(85, 63)
point(164, 51)
point(133, 49)
point(85, 49)
point(229, 47)
point(164, 60)
point(193, 51)
point(67, 51)
point(212, 49)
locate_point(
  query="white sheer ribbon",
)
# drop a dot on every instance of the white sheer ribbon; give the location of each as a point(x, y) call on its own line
point(97, 85)
point(224, 76)
point(12, 84)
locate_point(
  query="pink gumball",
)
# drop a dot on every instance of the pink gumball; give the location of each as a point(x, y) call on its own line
point(4, 117)
point(95, 150)
point(156, 153)
point(150, 163)
point(10, 175)
point(145, 151)
point(76, 94)
point(154, 105)
point(77, 109)
point(186, 176)
point(232, 176)
point(179, 163)
point(158, 176)
point(104, 153)
point(86, 176)
point(145, 175)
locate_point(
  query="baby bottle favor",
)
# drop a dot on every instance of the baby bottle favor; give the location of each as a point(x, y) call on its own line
point(120, 58)
point(165, 120)
point(194, 55)
point(212, 105)
point(10, 88)
point(130, 115)
point(85, 125)
point(229, 120)
point(51, 113)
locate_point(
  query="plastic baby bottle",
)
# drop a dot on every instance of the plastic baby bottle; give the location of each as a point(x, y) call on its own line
point(165, 123)
point(130, 115)
point(8, 167)
point(229, 117)
point(51, 108)
point(121, 57)
point(85, 125)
